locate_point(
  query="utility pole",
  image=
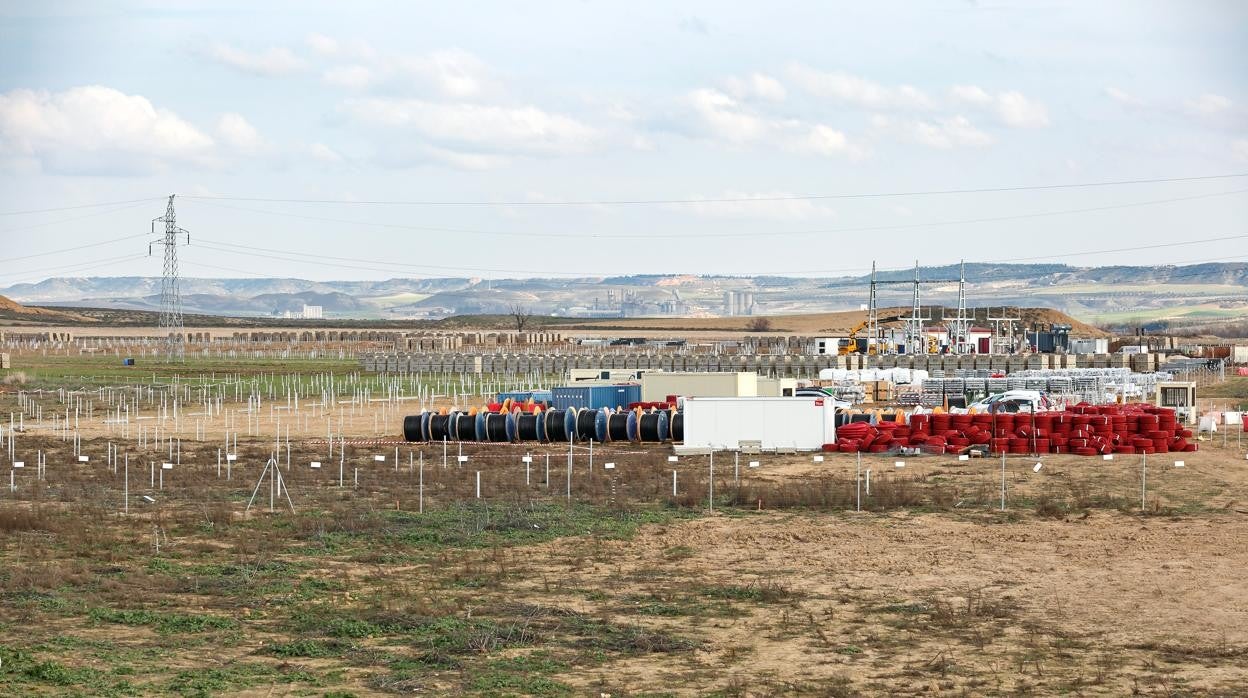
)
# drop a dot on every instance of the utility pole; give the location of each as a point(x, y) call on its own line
point(170, 293)
point(873, 319)
point(959, 326)
point(915, 341)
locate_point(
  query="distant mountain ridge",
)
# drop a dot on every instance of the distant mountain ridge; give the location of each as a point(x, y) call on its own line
point(1212, 289)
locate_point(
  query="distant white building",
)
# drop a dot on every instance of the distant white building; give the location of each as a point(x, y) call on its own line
point(313, 312)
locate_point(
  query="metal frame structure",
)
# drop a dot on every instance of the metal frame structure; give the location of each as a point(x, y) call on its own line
point(170, 288)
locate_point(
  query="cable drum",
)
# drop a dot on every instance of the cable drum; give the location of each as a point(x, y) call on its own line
point(678, 426)
point(496, 428)
point(553, 426)
point(587, 425)
point(439, 427)
point(527, 426)
point(617, 426)
point(652, 427)
point(465, 426)
point(411, 428)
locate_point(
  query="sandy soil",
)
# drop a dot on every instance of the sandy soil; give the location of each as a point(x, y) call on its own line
point(1053, 605)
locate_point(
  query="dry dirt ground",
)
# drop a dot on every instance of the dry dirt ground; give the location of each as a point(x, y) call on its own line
point(783, 590)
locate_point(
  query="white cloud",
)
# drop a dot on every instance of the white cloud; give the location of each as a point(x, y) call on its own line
point(1123, 97)
point(453, 73)
point(324, 153)
point(466, 161)
point(271, 62)
point(724, 118)
point(96, 129)
point(236, 132)
point(1239, 148)
point(1209, 104)
point(522, 129)
point(1012, 107)
point(858, 91)
point(945, 134)
point(323, 45)
point(826, 140)
point(1016, 110)
point(756, 86)
point(780, 207)
point(971, 94)
point(352, 77)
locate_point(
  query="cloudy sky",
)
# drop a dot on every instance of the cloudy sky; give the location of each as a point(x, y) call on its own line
point(504, 139)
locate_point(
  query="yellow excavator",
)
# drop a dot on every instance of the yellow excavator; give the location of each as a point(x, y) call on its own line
point(853, 345)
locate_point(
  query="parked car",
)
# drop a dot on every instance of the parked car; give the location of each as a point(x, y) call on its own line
point(1012, 401)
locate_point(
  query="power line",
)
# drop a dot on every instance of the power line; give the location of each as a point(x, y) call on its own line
point(75, 248)
point(751, 199)
point(69, 220)
point(38, 274)
point(755, 234)
point(71, 208)
point(392, 267)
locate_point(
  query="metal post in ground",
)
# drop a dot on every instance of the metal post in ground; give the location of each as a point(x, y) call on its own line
point(1002, 480)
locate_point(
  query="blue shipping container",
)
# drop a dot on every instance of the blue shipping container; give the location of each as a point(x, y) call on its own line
point(595, 396)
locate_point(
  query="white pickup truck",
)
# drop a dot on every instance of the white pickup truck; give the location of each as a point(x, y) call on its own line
point(1013, 401)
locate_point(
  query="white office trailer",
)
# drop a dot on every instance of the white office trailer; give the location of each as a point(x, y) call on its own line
point(769, 423)
point(655, 387)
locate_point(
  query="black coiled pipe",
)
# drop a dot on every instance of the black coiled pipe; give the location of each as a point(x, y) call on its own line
point(496, 427)
point(439, 427)
point(411, 428)
point(678, 426)
point(648, 427)
point(553, 421)
point(617, 426)
point(527, 425)
point(586, 425)
point(465, 427)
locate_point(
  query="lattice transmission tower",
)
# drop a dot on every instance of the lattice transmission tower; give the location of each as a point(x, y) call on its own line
point(170, 291)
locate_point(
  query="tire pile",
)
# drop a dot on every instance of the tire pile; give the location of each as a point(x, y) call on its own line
point(1083, 430)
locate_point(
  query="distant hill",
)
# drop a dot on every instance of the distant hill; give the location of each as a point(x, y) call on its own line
point(1115, 294)
point(11, 311)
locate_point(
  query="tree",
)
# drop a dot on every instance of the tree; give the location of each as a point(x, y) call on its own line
point(520, 315)
point(759, 324)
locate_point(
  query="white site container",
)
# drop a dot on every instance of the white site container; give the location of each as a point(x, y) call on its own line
point(799, 423)
point(655, 387)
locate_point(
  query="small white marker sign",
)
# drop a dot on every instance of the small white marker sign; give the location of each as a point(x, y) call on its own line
point(316, 464)
point(19, 464)
point(899, 464)
point(609, 466)
point(231, 457)
point(672, 459)
point(753, 464)
point(84, 459)
point(1179, 464)
point(818, 459)
point(463, 459)
point(964, 457)
point(1037, 467)
point(527, 459)
point(1107, 456)
point(379, 459)
point(166, 466)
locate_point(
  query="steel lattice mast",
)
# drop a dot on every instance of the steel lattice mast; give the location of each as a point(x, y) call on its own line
point(170, 292)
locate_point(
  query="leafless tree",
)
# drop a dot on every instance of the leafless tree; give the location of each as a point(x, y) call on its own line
point(759, 324)
point(520, 315)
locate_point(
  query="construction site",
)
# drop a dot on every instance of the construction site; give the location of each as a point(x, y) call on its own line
point(689, 350)
point(898, 501)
